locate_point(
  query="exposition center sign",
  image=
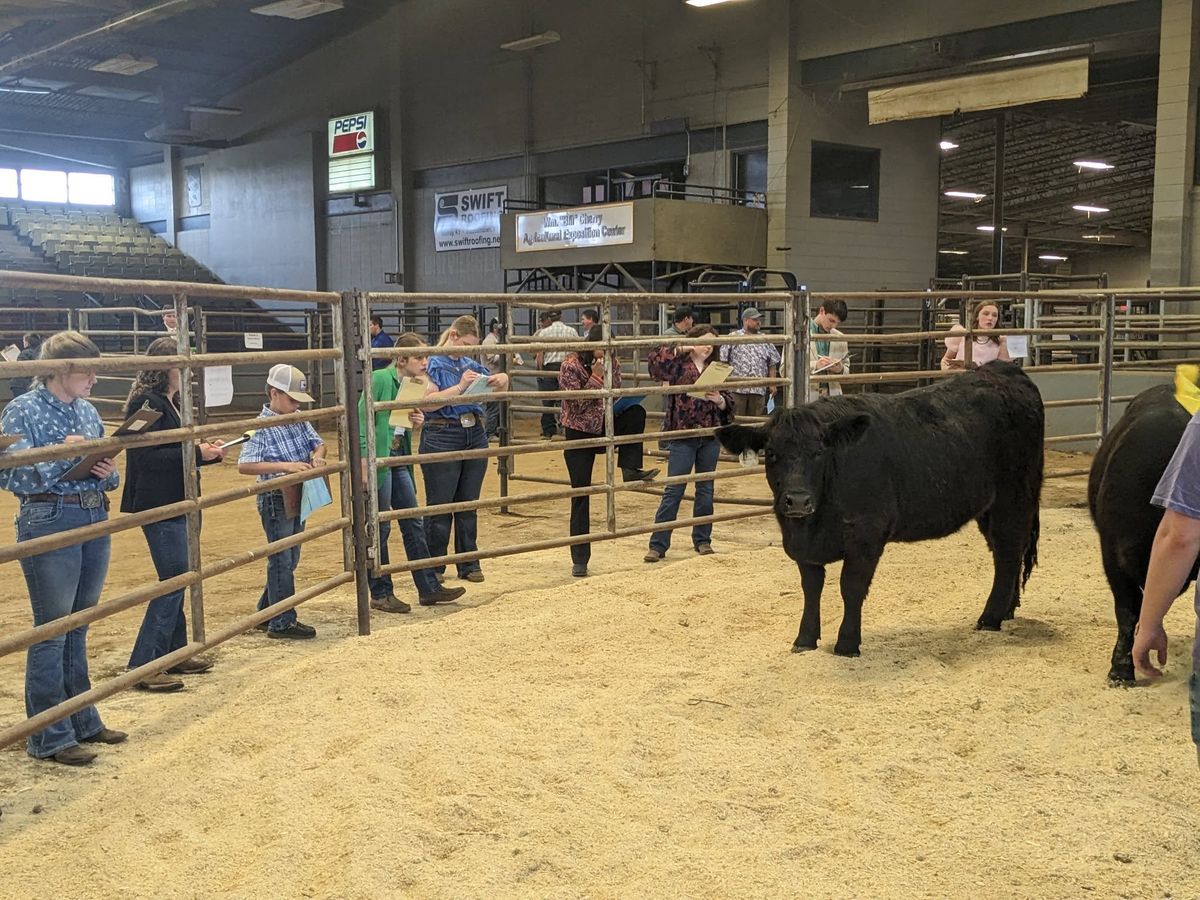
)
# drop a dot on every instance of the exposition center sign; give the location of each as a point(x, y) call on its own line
point(601, 225)
point(468, 220)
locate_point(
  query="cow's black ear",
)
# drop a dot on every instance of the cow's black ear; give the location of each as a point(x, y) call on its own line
point(847, 430)
point(740, 438)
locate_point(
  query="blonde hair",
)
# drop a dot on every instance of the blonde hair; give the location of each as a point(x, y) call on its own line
point(463, 326)
point(408, 339)
point(66, 345)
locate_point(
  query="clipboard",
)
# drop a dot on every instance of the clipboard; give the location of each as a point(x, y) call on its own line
point(837, 361)
point(135, 424)
point(10, 353)
point(412, 390)
point(714, 375)
point(477, 388)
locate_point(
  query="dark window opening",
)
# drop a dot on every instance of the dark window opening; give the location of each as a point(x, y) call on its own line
point(845, 182)
point(750, 177)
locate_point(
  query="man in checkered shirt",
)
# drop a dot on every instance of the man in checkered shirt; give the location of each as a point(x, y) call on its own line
point(751, 361)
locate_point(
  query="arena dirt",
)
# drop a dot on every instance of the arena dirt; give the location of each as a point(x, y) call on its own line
point(644, 731)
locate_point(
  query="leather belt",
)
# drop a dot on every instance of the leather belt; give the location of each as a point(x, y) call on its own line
point(87, 500)
point(440, 422)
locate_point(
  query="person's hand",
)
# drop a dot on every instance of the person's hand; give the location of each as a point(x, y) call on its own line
point(716, 397)
point(1146, 637)
point(73, 439)
point(210, 452)
point(498, 381)
point(955, 363)
point(681, 350)
point(293, 467)
point(104, 468)
point(416, 418)
point(467, 377)
point(317, 461)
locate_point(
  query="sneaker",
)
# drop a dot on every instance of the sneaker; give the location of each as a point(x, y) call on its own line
point(391, 603)
point(474, 576)
point(445, 595)
point(261, 626)
point(106, 736)
point(74, 756)
point(297, 631)
point(638, 474)
point(705, 549)
point(652, 556)
point(162, 683)
point(579, 570)
point(547, 437)
point(197, 665)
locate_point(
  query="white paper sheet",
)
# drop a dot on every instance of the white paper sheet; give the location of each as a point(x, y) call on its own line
point(254, 340)
point(218, 386)
point(1018, 346)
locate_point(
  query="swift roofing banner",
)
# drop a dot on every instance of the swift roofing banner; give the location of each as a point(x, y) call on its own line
point(468, 219)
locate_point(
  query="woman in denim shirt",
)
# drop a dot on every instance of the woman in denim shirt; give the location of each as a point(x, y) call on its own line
point(69, 579)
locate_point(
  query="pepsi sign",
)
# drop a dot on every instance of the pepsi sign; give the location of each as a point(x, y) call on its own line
point(351, 134)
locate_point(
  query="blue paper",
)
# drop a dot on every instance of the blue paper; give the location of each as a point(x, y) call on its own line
point(316, 494)
point(770, 404)
point(623, 403)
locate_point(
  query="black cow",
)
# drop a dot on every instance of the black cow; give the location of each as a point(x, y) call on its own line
point(851, 474)
point(1124, 474)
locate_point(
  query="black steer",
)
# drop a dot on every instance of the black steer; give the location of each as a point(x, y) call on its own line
point(851, 474)
point(1124, 474)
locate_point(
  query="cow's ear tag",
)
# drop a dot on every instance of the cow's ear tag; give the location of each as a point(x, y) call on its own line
point(748, 459)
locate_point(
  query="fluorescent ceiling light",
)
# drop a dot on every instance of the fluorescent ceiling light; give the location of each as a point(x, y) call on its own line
point(990, 228)
point(18, 89)
point(1098, 236)
point(213, 110)
point(126, 64)
point(1092, 164)
point(953, 252)
point(1052, 257)
point(947, 145)
point(860, 187)
point(298, 9)
point(965, 195)
point(534, 40)
point(1084, 207)
point(705, 2)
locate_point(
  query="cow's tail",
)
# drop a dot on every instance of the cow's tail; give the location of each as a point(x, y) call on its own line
point(1031, 548)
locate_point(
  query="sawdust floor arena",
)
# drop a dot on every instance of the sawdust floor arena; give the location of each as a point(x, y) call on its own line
point(641, 732)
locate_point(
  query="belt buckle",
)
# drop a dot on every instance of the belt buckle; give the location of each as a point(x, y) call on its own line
point(90, 500)
point(467, 420)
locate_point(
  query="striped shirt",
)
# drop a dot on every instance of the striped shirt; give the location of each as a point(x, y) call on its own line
point(294, 442)
point(43, 420)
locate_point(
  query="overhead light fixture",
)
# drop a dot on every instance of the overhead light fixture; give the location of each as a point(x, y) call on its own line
point(953, 252)
point(1097, 236)
point(1052, 257)
point(18, 89)
point(947, 145)
point(705, 2)
point(213, 110)
point(298, 9)
point(990, 228)
point(1089, 209)
point(860, 187)
point(126, 64)
point(534, 40)
point(1092, 164)
point(966, 195)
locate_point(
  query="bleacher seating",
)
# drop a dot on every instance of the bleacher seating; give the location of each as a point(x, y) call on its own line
point(102, 244)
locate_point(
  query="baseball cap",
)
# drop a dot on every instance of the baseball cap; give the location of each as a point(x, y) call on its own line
point(751, 312)
point(290, 380)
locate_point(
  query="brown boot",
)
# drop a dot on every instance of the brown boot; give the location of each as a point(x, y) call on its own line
point(391, 603)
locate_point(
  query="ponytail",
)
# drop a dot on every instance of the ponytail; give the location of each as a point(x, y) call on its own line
point(463, 326)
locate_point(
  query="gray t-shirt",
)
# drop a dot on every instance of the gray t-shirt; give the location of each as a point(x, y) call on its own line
point(1179, 490)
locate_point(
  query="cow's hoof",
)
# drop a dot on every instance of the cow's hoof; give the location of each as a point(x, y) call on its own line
point(986, 626)
point(804, 647)
point(1121, 676)
point(839, 650)
point(1010, 615)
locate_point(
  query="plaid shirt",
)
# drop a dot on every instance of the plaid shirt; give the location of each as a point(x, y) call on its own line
point(556, 331)
point(684, 411)
point(750, 361)
point(286, 443)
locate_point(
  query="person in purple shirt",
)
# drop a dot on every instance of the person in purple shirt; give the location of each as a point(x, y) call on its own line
point(1176, 546)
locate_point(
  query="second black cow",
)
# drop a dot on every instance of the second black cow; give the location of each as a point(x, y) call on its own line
point(852, 474)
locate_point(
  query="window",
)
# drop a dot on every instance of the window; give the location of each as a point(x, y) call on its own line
point(44, 186)
point(91, 189)
point(750, 177)
point(8, 183)
point(845, 182)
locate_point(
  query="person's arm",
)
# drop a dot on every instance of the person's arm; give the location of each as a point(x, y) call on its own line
point(1004, 349)
point(572, 377)
point(318, 445)
point(664, 365)
point(436, 398)
point(1176, 546)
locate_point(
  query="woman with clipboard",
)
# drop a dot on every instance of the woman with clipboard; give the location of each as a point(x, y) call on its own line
point(154, 478)
point(679, 365)
point(70, 579)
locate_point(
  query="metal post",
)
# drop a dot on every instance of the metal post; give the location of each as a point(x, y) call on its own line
point(969, 337)
point(610, 451)
point(1104, 410)
point(367, 427)
point(201, 347)
point(191, 478)
point(800, 350)
point(353, 485)
point(505, 465)
point(998, 199)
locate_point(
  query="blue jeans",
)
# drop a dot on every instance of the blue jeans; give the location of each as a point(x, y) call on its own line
point(61, 582)
point(164, 626)
point(456, 481)
point(404, 496)
point(1194, 698)
point(281, 566)
point(687, 454)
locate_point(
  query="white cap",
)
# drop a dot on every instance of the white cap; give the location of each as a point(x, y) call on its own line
point(290, 380)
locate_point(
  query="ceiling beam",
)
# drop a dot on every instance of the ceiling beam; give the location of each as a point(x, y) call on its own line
point(150, 82)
